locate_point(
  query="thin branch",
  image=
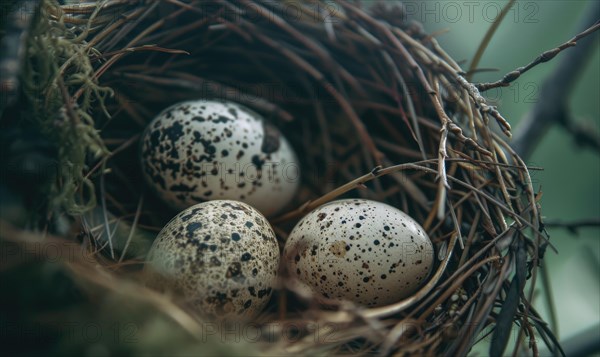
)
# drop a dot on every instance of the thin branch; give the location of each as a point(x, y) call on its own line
point(544, 57)
point(584, 134)
point(574, 226)
point(552, 107)
point(487, 38)
point(442, 175)
point(138, 212)
point(154, 48)
point(585, 343)
point(550, 303)
point(205, 87)
point(105, 213)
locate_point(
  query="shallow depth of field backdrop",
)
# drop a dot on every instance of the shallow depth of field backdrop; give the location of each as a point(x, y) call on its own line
point(571, 177)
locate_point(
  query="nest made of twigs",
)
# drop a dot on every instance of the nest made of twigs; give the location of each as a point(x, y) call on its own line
point(372, 105)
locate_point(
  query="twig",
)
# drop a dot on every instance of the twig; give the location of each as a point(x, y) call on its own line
point(409, 104)
point(554, 92)
point(473, 91)
point(370, 151)
point(574, 226)
point(133, 226)
point(550, 304)
point(154, 48)
point(544, 57)
point(442, 175)
point(582, 344)
point(208, 87)
point(584, 134)
point(487, 38)
point(105, 212)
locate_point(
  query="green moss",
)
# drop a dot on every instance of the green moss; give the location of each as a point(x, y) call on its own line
point(58, 59)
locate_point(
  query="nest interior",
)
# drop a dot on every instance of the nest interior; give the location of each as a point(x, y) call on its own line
point(374, 108)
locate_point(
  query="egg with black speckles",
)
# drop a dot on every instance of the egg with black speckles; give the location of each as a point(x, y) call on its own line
point(201, 150)
point(360, 250)
point(220, 256)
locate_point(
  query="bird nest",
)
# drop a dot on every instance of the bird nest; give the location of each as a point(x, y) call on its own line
point(374, 108)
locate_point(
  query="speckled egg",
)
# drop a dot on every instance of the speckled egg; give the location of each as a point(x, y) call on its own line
point(221, 256)
point(201, 150)
point(359, 250)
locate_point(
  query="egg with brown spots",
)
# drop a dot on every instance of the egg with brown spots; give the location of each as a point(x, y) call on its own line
point(202, 150)
point(221, 256)
point(359, 250)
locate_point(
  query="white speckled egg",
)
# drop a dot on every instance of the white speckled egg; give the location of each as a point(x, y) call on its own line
point(221, 256)
point(359, 250)
point(201, 150)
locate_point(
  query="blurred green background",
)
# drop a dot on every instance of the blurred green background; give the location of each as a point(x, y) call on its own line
point(571, 175)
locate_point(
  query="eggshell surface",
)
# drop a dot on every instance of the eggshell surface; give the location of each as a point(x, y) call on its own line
point(359, 250)
point(201, 150)
point(221, 256)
